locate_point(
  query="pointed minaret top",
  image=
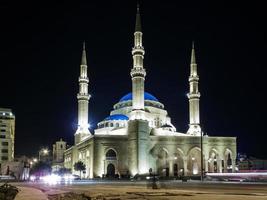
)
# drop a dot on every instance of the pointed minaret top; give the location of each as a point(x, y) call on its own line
point(193, 56)
point(84, 61)
point(138, 20)
point(83, 45)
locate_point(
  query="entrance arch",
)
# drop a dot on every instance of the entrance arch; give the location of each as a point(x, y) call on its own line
point(178, 163)
point(110, 170)
point(228, 162)
point(194, 161)
point(111, 163)
point(163, 163)
point(213, 161)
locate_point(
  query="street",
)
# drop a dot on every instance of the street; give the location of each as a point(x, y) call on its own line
point(168, 189)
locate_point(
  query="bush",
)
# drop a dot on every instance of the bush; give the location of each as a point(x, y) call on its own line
point(8, 192)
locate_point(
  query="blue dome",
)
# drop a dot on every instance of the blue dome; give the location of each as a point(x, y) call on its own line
point(117, 117)
point(129, 96)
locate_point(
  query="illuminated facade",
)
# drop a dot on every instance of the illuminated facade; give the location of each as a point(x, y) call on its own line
point(138, 135)
point(58, 151)
point(7, 135)
point(83, 100)
point(58, 155)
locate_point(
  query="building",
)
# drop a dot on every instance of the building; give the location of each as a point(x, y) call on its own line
point(19, 168)
point(248, 164)
point(58, 151)
point(7, 135)
point(138, 135)
point(58, 155)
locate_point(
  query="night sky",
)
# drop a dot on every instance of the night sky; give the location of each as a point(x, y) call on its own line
point(40, 53)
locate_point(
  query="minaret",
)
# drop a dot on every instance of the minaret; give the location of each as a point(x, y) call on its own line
point(138, 72)
point(83, 99)
point(193, 96)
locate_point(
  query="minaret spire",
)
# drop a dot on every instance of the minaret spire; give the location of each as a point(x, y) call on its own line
point(194, 96)
point(84, 61)
point(138, 27)
point(138, 72)
point(193, 56)
point(83, 99)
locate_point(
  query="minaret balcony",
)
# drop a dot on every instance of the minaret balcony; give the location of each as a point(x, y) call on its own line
point(138, 72)
point(138, 50)
point(84, 79)
point(83, 96)
point(193, 78)
point(193, 95)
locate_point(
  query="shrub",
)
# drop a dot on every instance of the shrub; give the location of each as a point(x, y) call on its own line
point(8, 192)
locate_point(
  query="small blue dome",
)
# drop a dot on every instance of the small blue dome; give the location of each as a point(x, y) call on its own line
point(129, 96)
point(117, 117)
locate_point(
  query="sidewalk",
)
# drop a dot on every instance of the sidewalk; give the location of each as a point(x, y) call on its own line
point(28, 193)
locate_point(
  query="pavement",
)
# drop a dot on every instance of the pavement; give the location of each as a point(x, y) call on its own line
point(30, 193)
point(139, 190)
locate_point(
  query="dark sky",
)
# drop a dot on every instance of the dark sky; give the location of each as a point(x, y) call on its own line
point(40, 53)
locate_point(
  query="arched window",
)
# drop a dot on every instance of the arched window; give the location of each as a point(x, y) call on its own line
point(117, 124)
point(111, 124)
point(111, 155)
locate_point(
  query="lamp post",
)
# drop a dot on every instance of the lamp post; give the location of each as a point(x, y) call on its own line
point(43, 152)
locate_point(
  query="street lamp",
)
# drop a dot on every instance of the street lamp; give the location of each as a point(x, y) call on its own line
point(43, 152)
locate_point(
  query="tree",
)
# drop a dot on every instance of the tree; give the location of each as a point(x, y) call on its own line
point(79, 166)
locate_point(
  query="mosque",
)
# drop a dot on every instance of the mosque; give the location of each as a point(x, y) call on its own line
point(138, 136)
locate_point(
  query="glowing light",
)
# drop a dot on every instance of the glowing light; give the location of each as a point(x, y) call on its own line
point(32, 178)
point(175, 158)
point(35, 160)
point(143, 169)
point(195, 168)
point(45, 151)
point(193, 158)
point(51, 179)
point(238, 174)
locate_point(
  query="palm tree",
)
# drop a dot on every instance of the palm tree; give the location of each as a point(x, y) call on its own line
point(79, 166)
